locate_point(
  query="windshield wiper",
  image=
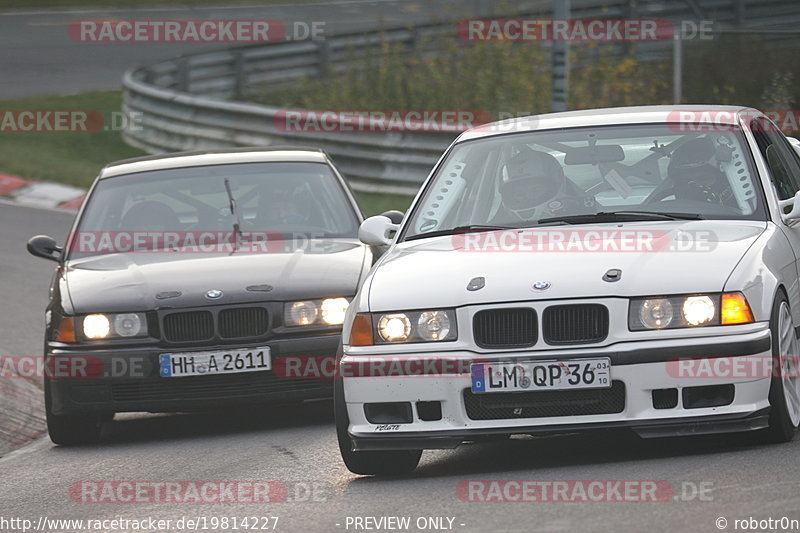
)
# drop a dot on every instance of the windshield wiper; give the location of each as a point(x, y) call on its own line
point(621, 216)
point(469, 228)
point(237, 223)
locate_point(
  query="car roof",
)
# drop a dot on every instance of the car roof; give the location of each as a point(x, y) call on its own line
point(214, 157)
point(727, 115)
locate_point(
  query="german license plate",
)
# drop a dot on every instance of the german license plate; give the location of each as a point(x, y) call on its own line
point(541, 375)
point(178, 365)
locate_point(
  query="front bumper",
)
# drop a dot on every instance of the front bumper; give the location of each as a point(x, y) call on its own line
point(641, 367)
point(130, 380)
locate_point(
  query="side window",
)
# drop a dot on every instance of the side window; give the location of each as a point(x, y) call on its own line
point(777, 152)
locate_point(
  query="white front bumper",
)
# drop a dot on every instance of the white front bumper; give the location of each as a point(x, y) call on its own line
point(639, 378)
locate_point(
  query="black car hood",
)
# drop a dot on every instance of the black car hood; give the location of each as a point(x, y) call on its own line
point(149, 281)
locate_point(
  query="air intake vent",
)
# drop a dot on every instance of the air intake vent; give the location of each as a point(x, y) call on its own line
point(575, 324)
point(243, 322)
point(505, 328)
point(191, 326)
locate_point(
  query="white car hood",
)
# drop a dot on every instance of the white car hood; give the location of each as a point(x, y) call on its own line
point(435, 272)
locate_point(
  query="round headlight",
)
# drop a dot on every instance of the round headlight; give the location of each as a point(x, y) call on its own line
point(96, 326)
point(433, 325)
point(656, 314)
point(127, 325)
point(333, 310)
point(698, 310)
point(302, 313)
point(394, 328)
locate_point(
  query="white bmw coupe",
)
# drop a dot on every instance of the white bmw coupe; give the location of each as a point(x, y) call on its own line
point(612, 268)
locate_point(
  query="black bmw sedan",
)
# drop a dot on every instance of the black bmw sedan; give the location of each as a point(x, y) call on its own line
point(199, 280)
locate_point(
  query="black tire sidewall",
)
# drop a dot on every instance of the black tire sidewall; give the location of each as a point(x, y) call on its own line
point(780, 424)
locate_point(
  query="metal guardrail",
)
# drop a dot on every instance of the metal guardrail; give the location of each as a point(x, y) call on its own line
point(183, 104)
point(188, 103)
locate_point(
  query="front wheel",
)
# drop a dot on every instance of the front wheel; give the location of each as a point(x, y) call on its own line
point(784, 390)
point(370, 463)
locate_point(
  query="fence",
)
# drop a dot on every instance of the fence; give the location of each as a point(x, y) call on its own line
point(189, 103)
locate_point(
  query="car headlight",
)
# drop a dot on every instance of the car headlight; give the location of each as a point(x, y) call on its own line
point(689, 311)
point(104, 326)
point(332, 310)
point(404, 327)
point(329, 311)
point(394, 328)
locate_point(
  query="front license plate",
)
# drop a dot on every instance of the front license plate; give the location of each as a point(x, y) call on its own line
point(178, 365)
point(541, 375)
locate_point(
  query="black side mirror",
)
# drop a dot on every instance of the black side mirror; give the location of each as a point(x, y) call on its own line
point(395, 216)
point(46, 247)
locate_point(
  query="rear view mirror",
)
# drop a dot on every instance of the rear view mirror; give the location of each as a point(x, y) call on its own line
point(45, 247)
point(592, 155)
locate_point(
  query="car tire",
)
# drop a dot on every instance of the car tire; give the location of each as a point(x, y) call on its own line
point(784, 391)
point(71, 430)
point(368, 463)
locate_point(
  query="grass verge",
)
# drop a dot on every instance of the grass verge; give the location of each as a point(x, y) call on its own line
point(75, 158)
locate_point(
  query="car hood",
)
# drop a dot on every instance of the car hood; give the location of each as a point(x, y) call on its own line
point(686, 256)
point(148, 281)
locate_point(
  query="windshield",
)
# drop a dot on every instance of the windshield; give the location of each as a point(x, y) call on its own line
point(571, 175)
point(225, 203)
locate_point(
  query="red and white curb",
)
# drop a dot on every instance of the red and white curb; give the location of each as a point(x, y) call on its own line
point(41, 193)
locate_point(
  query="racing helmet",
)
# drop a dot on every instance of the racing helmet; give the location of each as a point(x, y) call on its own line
point(532, 179)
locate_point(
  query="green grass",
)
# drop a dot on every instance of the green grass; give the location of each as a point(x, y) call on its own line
point(375, 203)
point(73, 158)
point(76, 158)
point(112, 4)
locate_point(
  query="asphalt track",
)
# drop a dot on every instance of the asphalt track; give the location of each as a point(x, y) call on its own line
point(732, 477)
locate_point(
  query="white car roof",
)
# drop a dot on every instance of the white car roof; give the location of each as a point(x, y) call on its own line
point(218, 157)
point(727, 115)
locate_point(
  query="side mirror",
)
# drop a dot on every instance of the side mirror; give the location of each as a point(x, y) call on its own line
point(46, 247)
point(374, 231)
point(395, 216)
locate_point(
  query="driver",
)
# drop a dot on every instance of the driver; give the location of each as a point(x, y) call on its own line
point(534, 187)
point(694, 170)
point(278, 207)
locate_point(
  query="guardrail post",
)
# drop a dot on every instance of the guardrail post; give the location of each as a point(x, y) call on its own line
point(183, 75)
point(240, 74)
point(324, 57)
